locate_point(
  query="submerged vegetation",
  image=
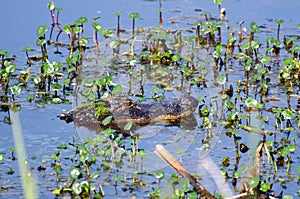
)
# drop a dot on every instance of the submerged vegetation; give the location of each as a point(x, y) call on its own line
point(247, 82)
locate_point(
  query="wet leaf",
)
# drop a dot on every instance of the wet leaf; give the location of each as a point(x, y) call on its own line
point(229, 104)
point(118, 13)
point(218, 2)
point(254, 182)
point(1, 156)
point(51, 5)
point(176, 57)
point(128, 126)
point(97, 27)
point(287, 114)
point(84, 41)
point(15, 90)
point(67, 29)
point(236, 174)
point(160, 175)
point(36, 80)
point(75, 173)
point(292, 147)
point(142, 154)
point(221, 79)
point(264, 186)
point(250, 102)
point(76, 188)
point(82, 20)
point(114, 43)
point(41, 30)
point(40, 42)
point(254, 27)
point(107, 120)
point(280, 21)
point(134, 15)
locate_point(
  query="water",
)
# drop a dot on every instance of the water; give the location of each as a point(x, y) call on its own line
point(43, 131)
point(20, 22)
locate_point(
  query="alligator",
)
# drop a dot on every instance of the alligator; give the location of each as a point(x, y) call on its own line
point(124, 110)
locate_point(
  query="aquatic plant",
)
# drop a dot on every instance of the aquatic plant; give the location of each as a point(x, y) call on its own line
point(173, 60)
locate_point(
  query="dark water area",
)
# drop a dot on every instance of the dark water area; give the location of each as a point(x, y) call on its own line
point(42, 129)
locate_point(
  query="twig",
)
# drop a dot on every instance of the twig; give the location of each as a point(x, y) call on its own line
point(238, 196)
point(168, 157)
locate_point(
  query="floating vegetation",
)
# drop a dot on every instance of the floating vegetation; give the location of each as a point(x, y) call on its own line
point(245, 82)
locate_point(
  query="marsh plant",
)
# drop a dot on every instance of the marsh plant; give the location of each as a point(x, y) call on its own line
point(248, 106)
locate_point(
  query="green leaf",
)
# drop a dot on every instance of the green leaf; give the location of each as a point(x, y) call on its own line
point(41, 30)
point(40, 42)
point(82, 20)
point(56, 87)
point(223, 172)
point(160, 174)
point(116, 89)
point(236, 174)
point(284, 151)
point(77, 29)
point(134, 15)
point(155, 90)
point(254, 27)
point(27, 49)
point(264, 186)
point(280, 21)
point(114, 43)
point(128, 126)
point(118, 179)
point(95, 175)
point(1, 156)
point(51, 5)
point(118, 13)
point(107, 120)
point(221, 79)
point(56, 100)
point(76, 188)
point(254, 182)
point(97, 27)
point(62, 146)
point(107, 33)
point(159, 10)
point(57, 168)
point(58, 9)
point(292, 147)
point(74, 173)
point(287, 114)
point(67, 29)
point(230, 104)
point(36, 80)
point(250, 102)
point(108, 132)
point(4, 53)
point(185, 186)
point(83, 41)
point(142, 154)
point(176, 57)
point(218, 2)
point(15, 90)
point(10, 68)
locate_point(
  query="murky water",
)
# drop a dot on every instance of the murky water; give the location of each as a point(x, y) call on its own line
point(43, 131)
